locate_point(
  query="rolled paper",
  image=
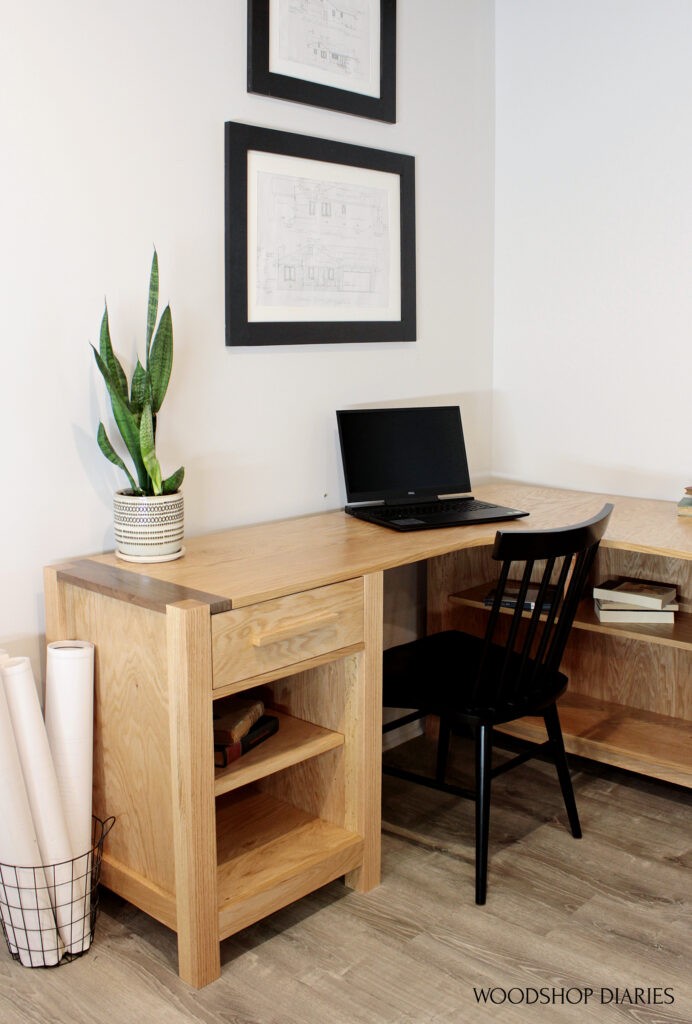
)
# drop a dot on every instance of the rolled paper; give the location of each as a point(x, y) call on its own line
point(67, 893)
point(69, 717)
point(4, 908)
point(27, 914)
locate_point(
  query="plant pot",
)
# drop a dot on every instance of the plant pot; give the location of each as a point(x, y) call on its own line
point(148, 529)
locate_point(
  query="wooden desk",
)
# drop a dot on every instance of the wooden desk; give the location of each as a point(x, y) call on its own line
point(296, 606)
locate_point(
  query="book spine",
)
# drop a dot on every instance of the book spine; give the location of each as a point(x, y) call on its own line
point(234, 733)
point(633, 600)
point(648, 616)
point(225, 754)
point(266, 727)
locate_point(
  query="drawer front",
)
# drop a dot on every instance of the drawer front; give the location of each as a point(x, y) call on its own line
point(274, 635)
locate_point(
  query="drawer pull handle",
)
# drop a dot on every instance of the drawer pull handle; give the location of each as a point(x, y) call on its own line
point(294, 628)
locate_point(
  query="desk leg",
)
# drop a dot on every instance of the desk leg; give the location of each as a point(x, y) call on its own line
point(194, 815)
point(364, 768)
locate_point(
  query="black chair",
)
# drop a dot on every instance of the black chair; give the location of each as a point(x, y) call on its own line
point(514, 670)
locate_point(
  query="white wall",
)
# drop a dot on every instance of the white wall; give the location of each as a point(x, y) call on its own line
point(112, 141)
point(593, 272)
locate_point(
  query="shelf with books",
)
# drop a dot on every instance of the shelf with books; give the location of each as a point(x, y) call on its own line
point(623, 592)
point(627, 703)
point(270, 852)
point(676, 634)
point(477, 597)
point(295, 741)
point(673, 634)
point(286, 821)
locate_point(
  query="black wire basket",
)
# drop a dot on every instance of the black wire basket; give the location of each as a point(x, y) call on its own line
point(48, 914)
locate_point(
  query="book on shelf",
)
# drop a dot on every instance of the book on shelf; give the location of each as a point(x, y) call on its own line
point(685, 505)
point(511, 596)
point(620, 606)
point(226, 753)
point(638, 593)
point(234, 717)
point(633, 615)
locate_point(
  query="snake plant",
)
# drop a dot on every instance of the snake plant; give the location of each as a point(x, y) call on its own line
point(135, 406)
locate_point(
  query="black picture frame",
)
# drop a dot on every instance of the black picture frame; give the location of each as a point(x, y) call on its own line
point(260, 79)
point(376, 280)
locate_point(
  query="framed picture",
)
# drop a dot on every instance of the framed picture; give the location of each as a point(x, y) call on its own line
point(339, 54)
point(320, 240)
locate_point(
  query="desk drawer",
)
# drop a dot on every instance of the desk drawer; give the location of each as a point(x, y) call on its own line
point(274, 635)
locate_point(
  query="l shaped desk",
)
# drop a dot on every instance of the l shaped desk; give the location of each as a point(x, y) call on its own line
point(296, 608)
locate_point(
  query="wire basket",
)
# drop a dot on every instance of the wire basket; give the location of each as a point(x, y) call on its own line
point(48, 913)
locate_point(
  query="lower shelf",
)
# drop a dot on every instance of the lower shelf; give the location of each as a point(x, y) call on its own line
point(271, 853)
point(640, 741)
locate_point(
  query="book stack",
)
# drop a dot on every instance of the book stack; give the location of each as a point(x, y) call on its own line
point(685, 503)
point(511, 593)
point(635, 601)
point(240, 724)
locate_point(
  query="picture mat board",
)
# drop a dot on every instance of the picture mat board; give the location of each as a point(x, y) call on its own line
point(292, 206)
point(341, 55)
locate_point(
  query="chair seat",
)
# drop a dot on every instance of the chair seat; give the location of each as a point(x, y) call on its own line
point(436, 674)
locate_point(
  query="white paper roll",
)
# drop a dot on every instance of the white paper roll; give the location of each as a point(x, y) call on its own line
point(69, 717)
point(67, 893)
point(4, 908)
point(32, 928)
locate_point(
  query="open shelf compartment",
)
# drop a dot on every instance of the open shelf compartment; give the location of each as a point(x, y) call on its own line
point(640, 741)
point(295, 741)
point(270, 853)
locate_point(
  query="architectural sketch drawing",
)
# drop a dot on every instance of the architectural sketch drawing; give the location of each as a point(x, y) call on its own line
point(322, 243)
point(329, 36)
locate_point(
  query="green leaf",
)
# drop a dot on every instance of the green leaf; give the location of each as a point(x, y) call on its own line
point(172, 483)
point(161, 360)
point(112, 456)
point(110, 359)
point(153, 304)
point(126, 422)
point(141, 390)
point(148, 449)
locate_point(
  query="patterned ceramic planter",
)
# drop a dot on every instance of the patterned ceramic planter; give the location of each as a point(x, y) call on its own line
point(148, 529)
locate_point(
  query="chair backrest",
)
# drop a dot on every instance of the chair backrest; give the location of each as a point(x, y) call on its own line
point(522, 646)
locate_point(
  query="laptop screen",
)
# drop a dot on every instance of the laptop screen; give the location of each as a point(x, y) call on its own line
point(389, 454)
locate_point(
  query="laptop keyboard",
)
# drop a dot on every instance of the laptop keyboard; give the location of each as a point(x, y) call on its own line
point(394, 512)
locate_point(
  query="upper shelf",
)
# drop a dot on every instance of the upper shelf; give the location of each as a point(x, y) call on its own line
point(677, 634)
point(294, 742)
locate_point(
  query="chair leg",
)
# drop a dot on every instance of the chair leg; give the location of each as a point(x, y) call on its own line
point(484, 749)
point(442, 750)
point(552, 724)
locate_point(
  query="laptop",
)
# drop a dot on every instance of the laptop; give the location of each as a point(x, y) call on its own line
point(401, 465)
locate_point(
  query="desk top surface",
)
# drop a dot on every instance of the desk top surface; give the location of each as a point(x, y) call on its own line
point(241, 566)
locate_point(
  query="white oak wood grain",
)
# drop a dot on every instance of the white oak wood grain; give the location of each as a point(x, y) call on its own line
point(167, 646)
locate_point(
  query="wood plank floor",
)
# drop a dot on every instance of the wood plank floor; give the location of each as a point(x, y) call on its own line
point(611, 911)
